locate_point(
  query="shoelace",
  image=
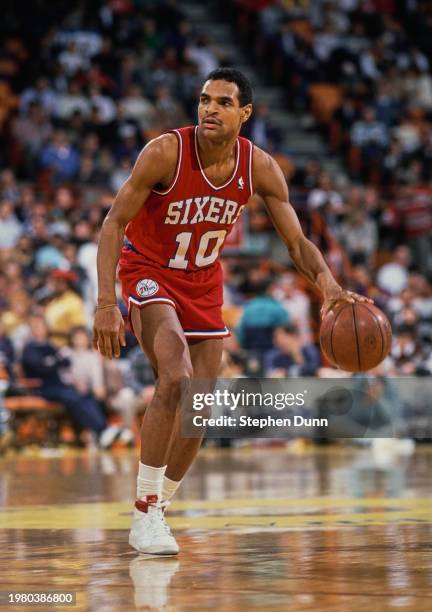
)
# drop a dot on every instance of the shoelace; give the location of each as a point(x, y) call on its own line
point(158, 522)
point(164, 506)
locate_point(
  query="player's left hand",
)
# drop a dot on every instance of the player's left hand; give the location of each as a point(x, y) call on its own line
point(342, 295)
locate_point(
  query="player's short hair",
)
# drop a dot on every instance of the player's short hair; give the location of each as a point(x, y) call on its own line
point(234, 76)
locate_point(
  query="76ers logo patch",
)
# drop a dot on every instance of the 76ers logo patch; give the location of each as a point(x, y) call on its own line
point(146, 287)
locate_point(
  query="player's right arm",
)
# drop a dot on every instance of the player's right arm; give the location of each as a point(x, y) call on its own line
point(155, 166)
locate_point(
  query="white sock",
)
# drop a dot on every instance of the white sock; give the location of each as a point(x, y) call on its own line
point(169, 488)
point(150, 480)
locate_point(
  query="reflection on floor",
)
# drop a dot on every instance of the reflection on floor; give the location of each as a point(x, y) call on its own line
point(309, 529)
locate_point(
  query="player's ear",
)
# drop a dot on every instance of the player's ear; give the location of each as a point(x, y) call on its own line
point(246, 112)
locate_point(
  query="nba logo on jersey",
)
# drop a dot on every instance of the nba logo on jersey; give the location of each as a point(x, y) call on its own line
point(147, 287)
point(240, 183)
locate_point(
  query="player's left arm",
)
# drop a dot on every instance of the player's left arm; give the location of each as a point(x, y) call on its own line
point(271, 185)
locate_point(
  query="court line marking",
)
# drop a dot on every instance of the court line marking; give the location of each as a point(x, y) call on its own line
point(117, 515)
point(261, 502)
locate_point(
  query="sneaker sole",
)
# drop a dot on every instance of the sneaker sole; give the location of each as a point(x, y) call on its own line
point(155, 551)
point(148, 555)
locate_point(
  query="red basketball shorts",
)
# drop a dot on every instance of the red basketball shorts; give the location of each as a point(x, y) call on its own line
point(197, 296)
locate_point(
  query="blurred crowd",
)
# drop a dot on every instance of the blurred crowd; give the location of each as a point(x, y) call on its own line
point(83, 88)
point(364, 66)
point(360, 71)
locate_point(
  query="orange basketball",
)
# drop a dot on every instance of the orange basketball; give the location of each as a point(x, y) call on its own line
point(355, 337)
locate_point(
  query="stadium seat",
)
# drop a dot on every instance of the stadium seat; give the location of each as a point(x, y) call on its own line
point(325, 99)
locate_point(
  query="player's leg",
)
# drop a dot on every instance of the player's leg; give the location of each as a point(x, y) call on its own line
point(161, 337)
point(206, 359)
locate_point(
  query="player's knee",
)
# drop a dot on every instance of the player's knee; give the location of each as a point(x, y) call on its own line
point(174, 384)
point(178, 375)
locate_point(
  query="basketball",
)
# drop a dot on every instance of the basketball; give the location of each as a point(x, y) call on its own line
point(355, 337)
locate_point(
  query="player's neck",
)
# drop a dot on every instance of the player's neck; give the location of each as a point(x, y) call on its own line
point(215, 152)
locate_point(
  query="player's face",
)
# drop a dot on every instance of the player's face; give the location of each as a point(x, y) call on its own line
point(220, 115)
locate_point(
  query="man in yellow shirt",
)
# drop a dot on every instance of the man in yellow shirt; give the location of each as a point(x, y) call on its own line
point(66, 309)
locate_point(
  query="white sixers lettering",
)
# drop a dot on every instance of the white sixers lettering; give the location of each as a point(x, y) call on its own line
point(205, 209)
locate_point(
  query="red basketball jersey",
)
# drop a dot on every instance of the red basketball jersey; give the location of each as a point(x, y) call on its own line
point(185, 227)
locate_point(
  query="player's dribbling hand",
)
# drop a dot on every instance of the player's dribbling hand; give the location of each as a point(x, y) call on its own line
point(108, 332)
point(342, 295)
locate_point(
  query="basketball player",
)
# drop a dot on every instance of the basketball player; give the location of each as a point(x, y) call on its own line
point(185, 193)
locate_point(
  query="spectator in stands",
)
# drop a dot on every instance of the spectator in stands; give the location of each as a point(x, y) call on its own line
point(414, 210)
point(50, 255)
point(203, 56)
point(72, 60)
point(9, 189)
point(86, 259)
point(260, 130)
point(128, 148)
point(413, 58)
point(359, 236)
point(361, 281)
point(345, 115)
point(14, 319)
point(87, 375)
point(305, 70)
point(140, 374)
point(120, 174)
point(289, 292)
point(42, 94)
point(370, 61)
point(261, 315)
point(86, 367)
point(370, 135)
point(31, 131)
point(60, 158)
point(168, 112)
point(406, 351)
point(386, 105)
point(316, 225)
point(7, 353)
point(104, 104)
point(408, 133)
point(307, 176)
point(326, 40)
point(124, 123)
point(233, 365)
point(392, 277)
point(136, 107)
point(392, 163)
point(123, 398)
point(90, 173)
point(130, 386)
point(72, 101)
point(10, 227)
point(411, 173)
point(424, 91)
point(290, 357)
point(41, 360)
point(325, 194)
point(65, 309)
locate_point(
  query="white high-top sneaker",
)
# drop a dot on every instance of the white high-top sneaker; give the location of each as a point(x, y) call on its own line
point(149, 532)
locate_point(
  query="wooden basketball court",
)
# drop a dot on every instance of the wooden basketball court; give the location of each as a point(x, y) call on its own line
point(263, 529)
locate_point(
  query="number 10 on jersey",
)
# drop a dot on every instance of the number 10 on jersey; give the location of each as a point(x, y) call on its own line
point(183, 240)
